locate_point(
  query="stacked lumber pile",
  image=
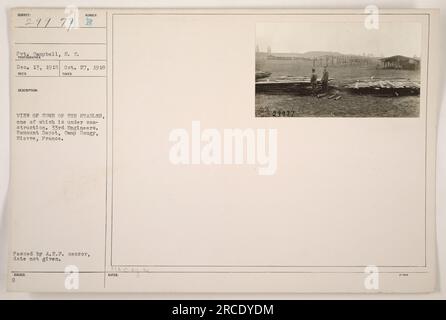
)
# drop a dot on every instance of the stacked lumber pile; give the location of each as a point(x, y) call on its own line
point(287, 85)
point(391, 87)
point(262, 74)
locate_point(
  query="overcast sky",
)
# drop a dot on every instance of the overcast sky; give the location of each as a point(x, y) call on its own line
point(348, 38)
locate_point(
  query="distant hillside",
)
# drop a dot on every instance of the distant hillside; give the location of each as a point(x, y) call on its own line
point(316, 54)
point(310, 54)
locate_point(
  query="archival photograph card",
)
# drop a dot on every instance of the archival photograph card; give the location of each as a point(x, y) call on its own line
point(265, 151)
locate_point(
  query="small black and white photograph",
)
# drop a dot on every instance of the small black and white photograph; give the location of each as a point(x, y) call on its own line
point(337, 69)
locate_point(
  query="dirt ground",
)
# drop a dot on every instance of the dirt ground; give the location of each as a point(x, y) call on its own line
point(349, 105)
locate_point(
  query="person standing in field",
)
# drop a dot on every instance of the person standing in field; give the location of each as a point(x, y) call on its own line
point(313, 81)
point(324, 80)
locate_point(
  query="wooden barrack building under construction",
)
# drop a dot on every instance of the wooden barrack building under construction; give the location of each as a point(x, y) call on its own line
point(400, 62)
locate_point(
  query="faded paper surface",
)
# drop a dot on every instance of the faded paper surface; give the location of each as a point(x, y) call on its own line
point(97, 200)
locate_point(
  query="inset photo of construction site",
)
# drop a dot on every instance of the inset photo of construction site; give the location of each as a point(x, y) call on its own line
point(337, 69)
